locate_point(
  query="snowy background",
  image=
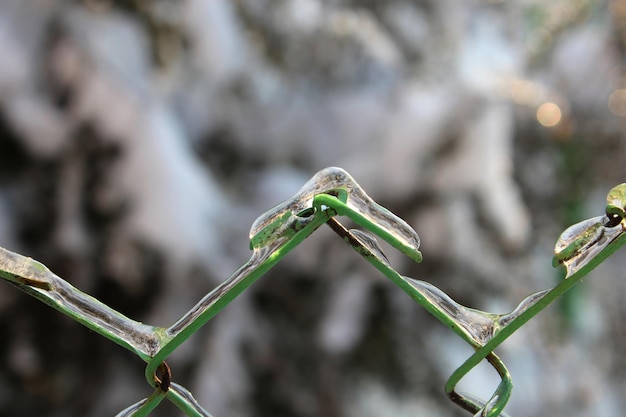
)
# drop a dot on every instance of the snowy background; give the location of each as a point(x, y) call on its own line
point(139, 141)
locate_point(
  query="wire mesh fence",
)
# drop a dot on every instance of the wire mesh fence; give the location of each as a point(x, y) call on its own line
point(329, 195)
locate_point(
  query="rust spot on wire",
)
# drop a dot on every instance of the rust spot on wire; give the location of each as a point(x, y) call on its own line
point(163, 377)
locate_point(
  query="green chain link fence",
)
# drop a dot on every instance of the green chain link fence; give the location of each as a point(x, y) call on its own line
point(330, 194)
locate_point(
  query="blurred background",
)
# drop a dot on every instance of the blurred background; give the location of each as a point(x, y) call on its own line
point(140, 139)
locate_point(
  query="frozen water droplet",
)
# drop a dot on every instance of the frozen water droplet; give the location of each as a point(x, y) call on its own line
point(616, 201)
point(577, 238)
point(525, 304)
point(580, 243)
point(476, 325)
point(370, 242)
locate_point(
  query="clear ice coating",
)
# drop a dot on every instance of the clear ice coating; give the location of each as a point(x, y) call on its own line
point(43, 284)
point(370, 243)
point(23, 270)
point(487, 408)
point(287, 218)
point(504, 319)
point(259, 256)
point(477, 326)
point(275, 227)
point(580, 243)
point(129, 411)
point(616, 201)
point(576, 247)
point(578, 238)
point(187, 398)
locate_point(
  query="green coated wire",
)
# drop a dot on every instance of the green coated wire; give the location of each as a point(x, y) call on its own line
point(504, 389)
point(222, 295)
point(38, 281)
point(589, 237)
point(579, 251)
point(508, 330)
point(285, 231)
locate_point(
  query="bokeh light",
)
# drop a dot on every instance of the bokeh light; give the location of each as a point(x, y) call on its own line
point(549, 114)
point(617, 102)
